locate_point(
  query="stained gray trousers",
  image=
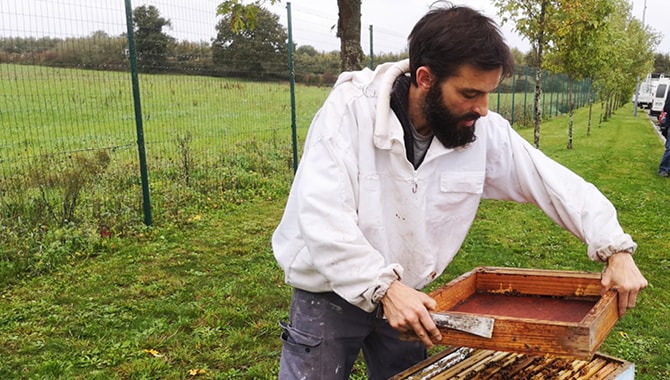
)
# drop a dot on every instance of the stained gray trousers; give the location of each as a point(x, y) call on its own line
point(326, 334)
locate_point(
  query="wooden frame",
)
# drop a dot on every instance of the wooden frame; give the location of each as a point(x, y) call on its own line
point(536, 311)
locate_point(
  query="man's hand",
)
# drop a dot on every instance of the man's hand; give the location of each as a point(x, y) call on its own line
point(407, 310)
point(622, 273)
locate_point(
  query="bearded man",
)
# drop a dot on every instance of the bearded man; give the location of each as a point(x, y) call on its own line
point(394, 167)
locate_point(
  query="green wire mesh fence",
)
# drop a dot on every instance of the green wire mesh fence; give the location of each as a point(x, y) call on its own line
point(215, 104)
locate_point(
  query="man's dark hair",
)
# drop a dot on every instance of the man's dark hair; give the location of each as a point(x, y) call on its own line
point(449, 36)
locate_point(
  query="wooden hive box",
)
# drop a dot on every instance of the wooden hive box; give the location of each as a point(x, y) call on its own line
point(536, 312)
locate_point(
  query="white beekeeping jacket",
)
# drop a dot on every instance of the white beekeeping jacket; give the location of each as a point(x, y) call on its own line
point(359, 216)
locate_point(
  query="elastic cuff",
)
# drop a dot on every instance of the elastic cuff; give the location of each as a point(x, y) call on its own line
point(604, 254)
point(385, 280)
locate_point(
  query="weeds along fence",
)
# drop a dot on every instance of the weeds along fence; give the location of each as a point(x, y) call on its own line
point(206, 113)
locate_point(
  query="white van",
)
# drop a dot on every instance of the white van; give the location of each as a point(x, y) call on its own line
point(647, 90)
point(659, 97)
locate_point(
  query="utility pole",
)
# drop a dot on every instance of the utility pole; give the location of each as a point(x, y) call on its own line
point(637, 85)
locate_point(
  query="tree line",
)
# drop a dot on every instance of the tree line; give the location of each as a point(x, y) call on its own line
point(596, 39)
point(258, 54)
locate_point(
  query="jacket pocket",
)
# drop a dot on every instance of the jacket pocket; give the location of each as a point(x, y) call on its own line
point(471, 182)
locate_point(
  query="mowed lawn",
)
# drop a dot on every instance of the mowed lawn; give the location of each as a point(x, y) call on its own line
point(203, 299)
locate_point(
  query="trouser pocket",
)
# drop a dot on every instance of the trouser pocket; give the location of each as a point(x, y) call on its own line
point(301, 354)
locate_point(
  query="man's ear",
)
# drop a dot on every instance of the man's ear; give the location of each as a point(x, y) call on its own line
point(424, 78)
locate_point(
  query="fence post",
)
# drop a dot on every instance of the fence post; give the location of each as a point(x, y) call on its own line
point(513, 93)
point(372, 52)
point(291, 70)
point(498, 106)
point(138, 114)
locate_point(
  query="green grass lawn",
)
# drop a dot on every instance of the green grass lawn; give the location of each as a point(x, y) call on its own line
point(203, 298)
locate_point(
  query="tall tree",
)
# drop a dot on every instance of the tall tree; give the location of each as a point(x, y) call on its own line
point(628, 53)
point(256, 53)
point(576, 37)
point(533, 19)
point(151, 42)
point(348, 25)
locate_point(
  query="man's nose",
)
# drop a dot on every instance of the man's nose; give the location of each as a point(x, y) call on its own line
point(481, 106)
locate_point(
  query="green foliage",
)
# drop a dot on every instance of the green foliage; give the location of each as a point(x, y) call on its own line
point(60, 184)
point(597, 39)
point(239, 15)
point(151, 43)
point(75, 208)
point(98, 50)
point(316, 68)
point(577, 36)
point(519, 57)
point(626, 53)
point(254, 53)
point(532, 19)
point(662, 63)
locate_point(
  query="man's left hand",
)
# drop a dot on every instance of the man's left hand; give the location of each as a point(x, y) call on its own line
point(623, 275)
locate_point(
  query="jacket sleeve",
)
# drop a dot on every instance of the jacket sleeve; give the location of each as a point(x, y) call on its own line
point(326, 187)
point(520, 172)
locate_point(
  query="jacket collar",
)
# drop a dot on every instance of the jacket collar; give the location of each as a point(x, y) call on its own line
point(385, 117)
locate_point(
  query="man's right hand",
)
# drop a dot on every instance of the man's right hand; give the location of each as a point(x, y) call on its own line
point(406, 310)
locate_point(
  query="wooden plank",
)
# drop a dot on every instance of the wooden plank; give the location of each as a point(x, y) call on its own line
point(538, 282)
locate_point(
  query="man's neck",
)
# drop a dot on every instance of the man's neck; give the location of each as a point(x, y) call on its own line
point(416, 101)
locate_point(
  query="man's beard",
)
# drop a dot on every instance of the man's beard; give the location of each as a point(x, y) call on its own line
point(444, 124)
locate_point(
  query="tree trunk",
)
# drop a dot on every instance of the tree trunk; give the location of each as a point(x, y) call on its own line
point(609, 106)
point(602, 111)
point(571, 108)
point(349, 33)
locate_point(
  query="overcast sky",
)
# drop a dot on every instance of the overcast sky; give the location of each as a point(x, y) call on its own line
point(313, 21)
point(398, 17)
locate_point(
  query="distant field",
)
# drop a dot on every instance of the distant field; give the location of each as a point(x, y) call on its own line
point(53, 111)
point(45, 110)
